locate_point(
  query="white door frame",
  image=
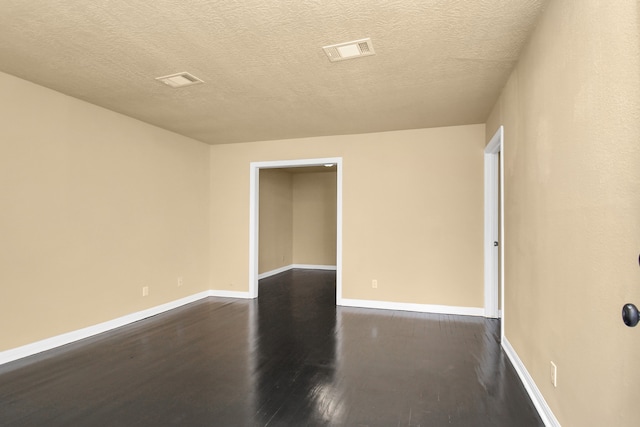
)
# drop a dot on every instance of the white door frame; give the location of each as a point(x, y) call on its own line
point(494, 218)
point(254, 216)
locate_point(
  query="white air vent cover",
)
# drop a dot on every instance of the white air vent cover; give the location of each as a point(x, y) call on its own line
point(180, 80)
point(349, 50)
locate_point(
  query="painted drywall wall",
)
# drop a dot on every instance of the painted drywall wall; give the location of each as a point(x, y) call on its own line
point(276, 220)
point(314, 218)
point(571, 116)
point(297, 219)
point(95, 206)
point(412, 212)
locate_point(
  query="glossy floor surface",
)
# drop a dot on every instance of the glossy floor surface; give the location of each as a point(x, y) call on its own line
point(290, 358)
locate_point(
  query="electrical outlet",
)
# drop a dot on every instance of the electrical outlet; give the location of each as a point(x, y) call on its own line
point(145, 291)
point(180, 281)
point(554, 374)
point(374, 284)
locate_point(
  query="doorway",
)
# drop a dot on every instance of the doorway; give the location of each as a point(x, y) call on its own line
point(254, 215)
point(494, 227)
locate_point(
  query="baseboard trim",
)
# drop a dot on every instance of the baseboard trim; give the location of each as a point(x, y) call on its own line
point(69, 337)
point(421, 308)
point(228, 294)
point(295, 266)
point(274, 272)
point(540, 404)
point(315, 267)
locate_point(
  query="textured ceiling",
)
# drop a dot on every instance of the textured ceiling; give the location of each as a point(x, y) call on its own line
point(437, 62)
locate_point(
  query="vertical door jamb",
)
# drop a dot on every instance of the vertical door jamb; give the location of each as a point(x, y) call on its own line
point(493, 224)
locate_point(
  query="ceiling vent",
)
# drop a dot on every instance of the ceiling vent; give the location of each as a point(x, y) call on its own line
point(180, 80)
point(349, 50)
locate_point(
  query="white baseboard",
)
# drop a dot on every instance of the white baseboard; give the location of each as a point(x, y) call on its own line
point(421, 308)
point(534, 393)
point(69, 337)
point(294, 266)
point(274, 272)
point(314, 267)
point(228, 294)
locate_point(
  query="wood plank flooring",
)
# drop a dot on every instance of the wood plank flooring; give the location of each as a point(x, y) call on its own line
point(290, 358)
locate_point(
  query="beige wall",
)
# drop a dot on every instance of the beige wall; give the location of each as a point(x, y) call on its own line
point(412, 212)
point(95, 205)
point(276, 220)
point(314, 218)
point(571, 112)
point(297, 219)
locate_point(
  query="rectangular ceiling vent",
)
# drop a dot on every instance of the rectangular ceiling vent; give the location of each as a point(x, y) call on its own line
point(180, 80)
point(349, 50)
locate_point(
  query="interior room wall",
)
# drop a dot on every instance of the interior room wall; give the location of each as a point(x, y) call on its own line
point(314, 218)
point(276, 220)
point(416, 228)
point(95, 205)
point(571, 116)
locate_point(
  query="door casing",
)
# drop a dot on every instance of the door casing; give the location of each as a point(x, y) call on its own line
point(494, 225)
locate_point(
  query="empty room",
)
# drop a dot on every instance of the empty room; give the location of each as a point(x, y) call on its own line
point(401, 213)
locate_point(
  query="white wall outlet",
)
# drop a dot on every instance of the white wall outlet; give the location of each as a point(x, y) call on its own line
point(554, 374)
point(374, 284)
point(145, 291)
point(180, 282)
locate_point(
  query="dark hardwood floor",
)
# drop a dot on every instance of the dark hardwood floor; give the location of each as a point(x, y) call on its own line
point(290, 358)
